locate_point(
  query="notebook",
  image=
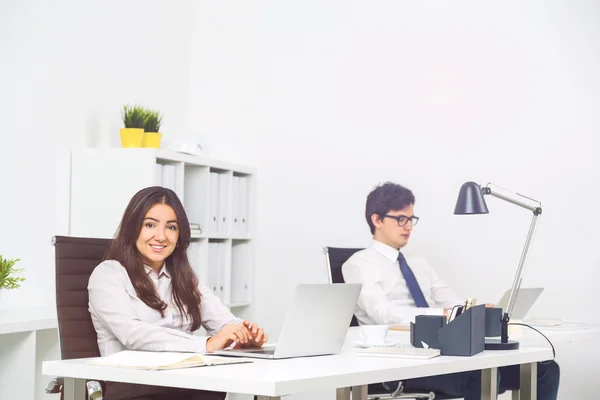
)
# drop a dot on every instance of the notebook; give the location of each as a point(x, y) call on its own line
point(154, 361)
point(399, 351)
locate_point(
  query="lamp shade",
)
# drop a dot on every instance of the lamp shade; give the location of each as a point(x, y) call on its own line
point(470, 200)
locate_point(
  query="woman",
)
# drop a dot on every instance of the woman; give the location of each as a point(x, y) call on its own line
point(145, 295)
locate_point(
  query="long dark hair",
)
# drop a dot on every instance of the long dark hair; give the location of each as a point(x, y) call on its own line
point(123, 249)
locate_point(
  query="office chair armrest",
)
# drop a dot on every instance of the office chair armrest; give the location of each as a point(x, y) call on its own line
point(94, 388)
point(55, 386)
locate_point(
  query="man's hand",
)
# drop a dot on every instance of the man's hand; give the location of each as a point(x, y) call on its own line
point(447, 313)
point(257, 335)
point(227, 335)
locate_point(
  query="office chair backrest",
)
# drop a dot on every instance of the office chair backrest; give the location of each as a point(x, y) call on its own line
point(336, 257)
point(76, 258)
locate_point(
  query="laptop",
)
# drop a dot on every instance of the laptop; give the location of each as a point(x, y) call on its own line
point(523, 302)
point(316, 323)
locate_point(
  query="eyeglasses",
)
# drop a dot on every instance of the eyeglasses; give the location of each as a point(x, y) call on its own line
point(403, 219)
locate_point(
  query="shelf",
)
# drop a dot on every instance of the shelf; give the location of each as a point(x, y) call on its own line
point(237, 305)
point(219, 237)
point(218, 196)
point(27, 319)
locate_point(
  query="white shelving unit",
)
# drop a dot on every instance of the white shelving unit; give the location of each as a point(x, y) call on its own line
point(219, 196)
point(28, 337)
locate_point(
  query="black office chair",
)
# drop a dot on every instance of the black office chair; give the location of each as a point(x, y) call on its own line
point(75, 260)
point(336, 257)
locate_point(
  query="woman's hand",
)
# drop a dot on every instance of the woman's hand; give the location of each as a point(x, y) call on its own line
point(227, 335)
point(257, 335)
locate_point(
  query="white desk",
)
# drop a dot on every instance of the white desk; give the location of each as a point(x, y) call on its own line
point(271, 379)
point(565, 333)
point(27, 319)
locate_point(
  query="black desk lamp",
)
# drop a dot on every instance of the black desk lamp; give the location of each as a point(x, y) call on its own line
point(471, 201)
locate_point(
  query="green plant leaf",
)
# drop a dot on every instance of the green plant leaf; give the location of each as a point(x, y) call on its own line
point(133, 116)
point(9, 275)
point(153, 121)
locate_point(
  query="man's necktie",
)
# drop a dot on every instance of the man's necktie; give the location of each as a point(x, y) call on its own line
point(411, 282)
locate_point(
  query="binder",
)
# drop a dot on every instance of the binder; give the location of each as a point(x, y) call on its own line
point(213, 226)
point(178, 180)
point(221, 265)
point(168, 176)
point(243, 206)
point(212, 280)
point(223, 213)
point(158, 174)
point(235, 208)
point(194, 256)
point(239, 273)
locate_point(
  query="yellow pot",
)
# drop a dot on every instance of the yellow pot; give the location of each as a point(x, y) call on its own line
point(151, 139)
point(131, 137)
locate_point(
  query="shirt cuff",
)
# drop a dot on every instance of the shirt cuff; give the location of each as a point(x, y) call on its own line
point(202, 343)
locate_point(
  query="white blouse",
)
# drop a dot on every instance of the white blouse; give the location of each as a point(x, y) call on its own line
point(124, 322)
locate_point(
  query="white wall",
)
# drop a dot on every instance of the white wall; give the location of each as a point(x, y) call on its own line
point(328, 98)
point(430, 95)
point(67, 68)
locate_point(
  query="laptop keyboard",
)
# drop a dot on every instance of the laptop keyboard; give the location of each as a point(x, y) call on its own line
point(257, 351)
point(261, 351)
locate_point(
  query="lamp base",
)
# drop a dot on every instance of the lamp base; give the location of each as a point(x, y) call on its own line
point(496, 344)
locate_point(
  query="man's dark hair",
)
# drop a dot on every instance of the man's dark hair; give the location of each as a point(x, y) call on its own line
point(385, 198)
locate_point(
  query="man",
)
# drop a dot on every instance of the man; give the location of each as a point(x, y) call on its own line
point(396, 289)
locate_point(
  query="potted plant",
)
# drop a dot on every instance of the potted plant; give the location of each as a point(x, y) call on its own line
point(9, 275)
point(133, 118)
point(152, 122)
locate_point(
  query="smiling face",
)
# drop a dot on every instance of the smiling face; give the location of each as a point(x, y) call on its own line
point(158, 235)
point(387, 230)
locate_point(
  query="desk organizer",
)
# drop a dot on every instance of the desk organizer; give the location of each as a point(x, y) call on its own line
point(425, 330)
point(493, 325)
point(465, 334)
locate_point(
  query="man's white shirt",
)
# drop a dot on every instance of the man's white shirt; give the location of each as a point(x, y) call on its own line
point(385, 298)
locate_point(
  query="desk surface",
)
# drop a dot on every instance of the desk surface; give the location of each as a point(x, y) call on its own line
point(290, 376)
point(565, 333)
point(27, 319)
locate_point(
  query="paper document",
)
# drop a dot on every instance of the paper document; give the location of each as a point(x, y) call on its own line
point(399, 352)
point(398, 327)
point(153, 360)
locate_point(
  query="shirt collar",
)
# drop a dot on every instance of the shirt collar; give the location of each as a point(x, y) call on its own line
point(161, 271)
point(387, 251)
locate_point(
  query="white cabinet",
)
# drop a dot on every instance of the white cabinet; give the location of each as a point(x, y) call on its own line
point(27, 337)
point(217, 196)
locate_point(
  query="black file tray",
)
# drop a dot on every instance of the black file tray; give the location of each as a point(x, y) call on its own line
point(425, 330)
point(493, 324)
point(465, 334)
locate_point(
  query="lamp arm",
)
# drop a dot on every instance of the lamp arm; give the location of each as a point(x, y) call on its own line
point(519, 275)
point(537, 211)
point(534, 209)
